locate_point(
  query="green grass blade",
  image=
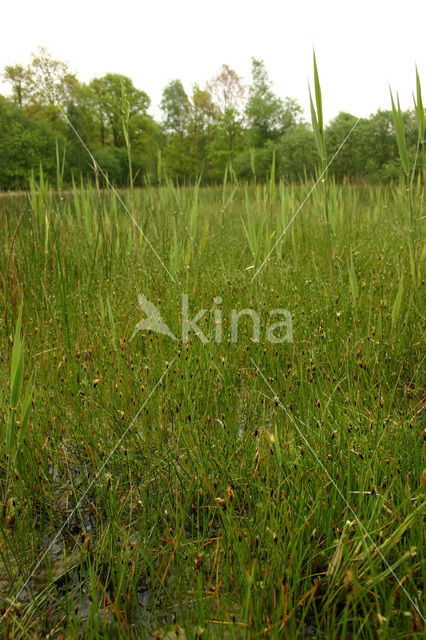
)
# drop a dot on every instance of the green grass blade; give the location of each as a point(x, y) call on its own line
point(272, 179)
point(318, 96)
point(315, 128)
point(26, 409)
point(400, 135)
point(352, 278)
point(17, 367)
point(420, 112)
point(396, 309)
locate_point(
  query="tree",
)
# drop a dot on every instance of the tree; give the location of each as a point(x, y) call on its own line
point(227, 90)
point(43, 88)
point(174, 105)
point(226, 142)
point(81, 119)
point(296, 153)
point(24, 144)
point(349, 160)
point(108, 93)
point(50, 81)
point(147, 137)
point(177, 159)
point(291, 116)
point(203, 112)
point(255, 163)
point(378, 149)
point(18, 77)
point(267, 115)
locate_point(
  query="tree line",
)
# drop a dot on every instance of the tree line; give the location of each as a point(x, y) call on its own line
point(49, 117)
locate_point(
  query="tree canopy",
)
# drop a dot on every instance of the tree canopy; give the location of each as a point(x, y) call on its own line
point(225, 125)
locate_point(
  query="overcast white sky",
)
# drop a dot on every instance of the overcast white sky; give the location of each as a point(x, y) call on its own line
point(361, 46)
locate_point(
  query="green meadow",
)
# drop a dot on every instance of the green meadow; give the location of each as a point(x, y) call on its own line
point(258, 483)
point(256, 489)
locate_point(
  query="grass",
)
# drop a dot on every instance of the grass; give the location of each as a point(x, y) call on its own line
point(227, 509)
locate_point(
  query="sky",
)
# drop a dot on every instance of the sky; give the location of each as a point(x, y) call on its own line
point(361, 47)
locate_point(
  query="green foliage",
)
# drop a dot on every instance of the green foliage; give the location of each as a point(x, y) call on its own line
point(178, 160)
point(18, 77)
point(114, 163)
point(107, 100)
point(349, 160)
point(217, 126)
point(400, 136)
point(254, 163)
point(45, 82)
point(378, 148)
point(16, 429)
point(174, 489)
point(317, 118)
point(174, 104)
point(267, 115)
point(296, 153)
point(420, 117)
point(24, 144)
point(227, 141)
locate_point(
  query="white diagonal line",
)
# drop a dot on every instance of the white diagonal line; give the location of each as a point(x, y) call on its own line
point(306, 199)
point(301, 434)
point(90, 485)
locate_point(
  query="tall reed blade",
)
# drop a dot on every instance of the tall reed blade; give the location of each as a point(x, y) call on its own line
point(400, 135)
point(317, 118)
point(420, 117)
